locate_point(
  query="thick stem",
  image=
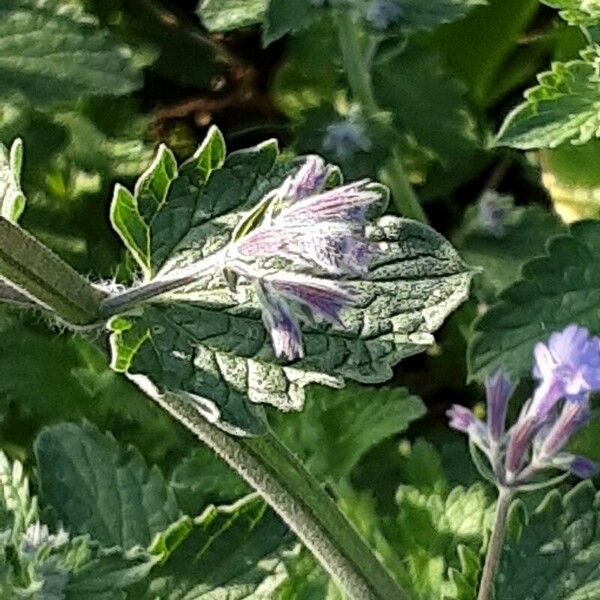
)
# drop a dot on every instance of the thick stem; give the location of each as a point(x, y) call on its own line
point(301, 502)
point(495, 547)
point(36, 272)
point(356, 67)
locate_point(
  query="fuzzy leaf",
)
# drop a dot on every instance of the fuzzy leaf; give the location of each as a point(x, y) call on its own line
point(97, 487)
point(234, 552)
point(555, 290)
point(564, 107)
point(50, 53)
point(12, 199)
point(337, 427)
point(225, 15)
point(428, 14)
point(577, 12)
point(283, 17)
point(211, 346)
point(556, 555)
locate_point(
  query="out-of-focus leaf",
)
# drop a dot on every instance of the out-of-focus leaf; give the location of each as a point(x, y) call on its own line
point(203, 479)
point(500, 252)
point(234, 552)
point(337, 427)
point(284, 17)
point(556, 555)
point(12, 199)
point(224, 15)
point(563, 107)
point(554, 291)
point(577, 12)
point(102, 489)
point(50, 53)
point(212, 347)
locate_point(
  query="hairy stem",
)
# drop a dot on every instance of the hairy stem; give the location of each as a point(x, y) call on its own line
point(263, 462)
point(495, 547)
point(356, 67)
point(269, 467)
point(36, 272)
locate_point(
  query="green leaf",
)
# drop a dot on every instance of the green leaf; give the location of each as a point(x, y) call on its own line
point(52, 53)
point(203, 479)
point(234, 552)
point(577, 12)
point(225, 15)
point(207, 345)
point(337, 427)
point(554, 291)
point(428, 14)
point(501, 254)
point(97, 487)
point(556, 555)
point(12, 199)
point(563, 108)
point(283, 17)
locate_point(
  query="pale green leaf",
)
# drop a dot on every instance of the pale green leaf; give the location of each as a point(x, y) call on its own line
point(557, 553)
point(12, 199)
point(234, 552)
point(224, 15)
point(98, 488)
point(563, 107)
point(577, 12)
point(52, 53)
point(337, 427)
point(212, 347)
point(554, 291)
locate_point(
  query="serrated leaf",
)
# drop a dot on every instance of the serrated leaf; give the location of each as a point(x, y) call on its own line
point(577, 12)
point(337, 427)
point(234, 552)
point(103, 490)
point(555, 290)
point(564, 107)
point(12, 199)
point(523, 236)
point(211, 346)
point(428, 14)
point(202, 479)
point(556, 555)
point(52, 53)
point(225, 15)
point(283, 17)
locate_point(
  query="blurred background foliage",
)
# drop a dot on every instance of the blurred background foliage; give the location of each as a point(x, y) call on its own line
point(385, 453)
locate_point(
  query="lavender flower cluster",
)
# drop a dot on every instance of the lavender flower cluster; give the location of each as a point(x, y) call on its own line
point(567, 369)
point(320, 234)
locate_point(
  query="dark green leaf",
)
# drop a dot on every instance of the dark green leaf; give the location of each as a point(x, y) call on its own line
point(284, 17)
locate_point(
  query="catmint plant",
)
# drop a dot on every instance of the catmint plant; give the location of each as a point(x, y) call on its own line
point(567, 370)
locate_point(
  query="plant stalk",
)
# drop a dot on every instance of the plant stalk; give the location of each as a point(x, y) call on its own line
point(494, 551)
point(36, 272)
point(263, 462)
point(356, 67)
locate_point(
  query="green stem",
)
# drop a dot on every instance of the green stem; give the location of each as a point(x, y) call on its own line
point(301, 502)
point(494, 551)
point(38, 273)
point(263, 462)
point(359, 78)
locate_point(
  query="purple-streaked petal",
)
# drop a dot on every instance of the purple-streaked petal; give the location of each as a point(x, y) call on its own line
point(309, 179)
point(345, 203)
point(580, 466)
point(518, 448)
point(499, 389)
point(281, 325)
point(321, 297)
point(462, 419)
point(573, 416)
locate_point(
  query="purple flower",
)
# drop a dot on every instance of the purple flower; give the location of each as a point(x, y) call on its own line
point(518, 447)
point(346, 138)
point(281, 325)
point(580, 466)
point(499, 389)
point(309, 179)
point(568, 366)
point(383, 13)
point(462, 419)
